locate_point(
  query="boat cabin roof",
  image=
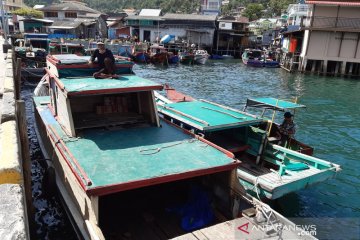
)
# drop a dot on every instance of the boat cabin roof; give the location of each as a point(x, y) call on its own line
point(208, 116)
point(92, 86)
point(272, 103)
point(70, 59)
point(123, 159)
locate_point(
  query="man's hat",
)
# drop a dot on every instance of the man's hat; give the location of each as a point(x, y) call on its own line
point(100, 43)
point(288, 115)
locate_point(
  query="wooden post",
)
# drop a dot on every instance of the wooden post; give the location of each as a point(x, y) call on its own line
point(325, 67)
point(337, 68)
point(305, 65)
point(351, 69)
point(313, 66)
point(25, 156)
point(320, 71)
point(17, 78)
point(343, 68)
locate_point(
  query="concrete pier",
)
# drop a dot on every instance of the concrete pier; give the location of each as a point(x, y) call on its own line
point(13, 209)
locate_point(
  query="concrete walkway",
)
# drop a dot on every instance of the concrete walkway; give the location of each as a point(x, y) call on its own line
point(13, 215)
point(2, 71)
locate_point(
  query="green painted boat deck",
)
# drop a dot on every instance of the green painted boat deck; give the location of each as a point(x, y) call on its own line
point(207, 116)
point(272, 103)
point(77, 85)
point(115, 157)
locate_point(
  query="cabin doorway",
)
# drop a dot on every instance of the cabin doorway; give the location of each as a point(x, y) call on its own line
point(165, 211)
point(147, 35)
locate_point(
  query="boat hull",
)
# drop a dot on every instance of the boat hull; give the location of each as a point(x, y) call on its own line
point(201, 59)
point(141, 57)
point(80, 205)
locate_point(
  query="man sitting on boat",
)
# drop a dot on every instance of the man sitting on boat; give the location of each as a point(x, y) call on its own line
point(106, 62)
point(286, 129)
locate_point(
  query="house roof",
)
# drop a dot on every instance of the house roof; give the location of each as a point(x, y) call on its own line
point(38, 7)
point(192, 17)
point(239, 19)
point(74, 23)
point(35, 20)
point(137, 17)
point(150, 12)
point(69, 6)
point(336, 2)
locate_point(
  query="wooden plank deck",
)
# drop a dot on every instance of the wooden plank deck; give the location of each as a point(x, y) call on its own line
point(241, 228)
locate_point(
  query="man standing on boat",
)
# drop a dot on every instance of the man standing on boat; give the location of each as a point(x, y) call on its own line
point(287, 129)
point(106, 62)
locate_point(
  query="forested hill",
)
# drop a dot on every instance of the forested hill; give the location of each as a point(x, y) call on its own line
point(107, 6)
point(259, 7)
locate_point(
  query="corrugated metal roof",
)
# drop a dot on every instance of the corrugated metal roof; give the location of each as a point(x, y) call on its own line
point(337, 2)
point(71, 24)
point(150, 12)
point(193, 17)
point(69, 6)
point(137, 17)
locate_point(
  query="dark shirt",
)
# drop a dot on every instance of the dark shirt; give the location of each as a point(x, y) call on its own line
point(287, 127)
point(101, 57)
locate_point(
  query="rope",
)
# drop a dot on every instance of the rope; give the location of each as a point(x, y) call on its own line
point(156, 150)
point(33, 74)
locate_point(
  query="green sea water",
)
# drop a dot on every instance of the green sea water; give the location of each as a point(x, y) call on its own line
point(330, 123)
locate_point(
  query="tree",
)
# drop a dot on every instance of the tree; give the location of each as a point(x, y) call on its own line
point(253, 11)
point(28, 12)
point(277, 6)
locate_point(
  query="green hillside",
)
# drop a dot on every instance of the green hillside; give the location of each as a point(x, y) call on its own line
point(256, 8)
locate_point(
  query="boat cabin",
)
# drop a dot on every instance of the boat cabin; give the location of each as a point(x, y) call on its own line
point(86, 102)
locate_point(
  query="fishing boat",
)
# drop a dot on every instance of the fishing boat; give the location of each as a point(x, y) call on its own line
point(201, 56)
point(140, 53)
point(258, 58)
point(186, 57)
point(268, 170)
point(123, 171)
point(158, 55)
point(56, 48)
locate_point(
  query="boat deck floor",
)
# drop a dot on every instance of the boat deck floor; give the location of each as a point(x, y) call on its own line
point(271, 178)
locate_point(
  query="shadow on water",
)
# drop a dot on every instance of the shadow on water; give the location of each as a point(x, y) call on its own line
point(51, 221)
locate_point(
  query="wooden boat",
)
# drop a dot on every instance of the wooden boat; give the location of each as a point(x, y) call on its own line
point(278, 105)
point(173, 58)
point(140, 53)
point(158, 55)
point(32, 51)
point(69, 65)
point(56, 48)
point(258, 58)
point(267, 169)
point(186, 57)
point(201, 56)
point(120, 168)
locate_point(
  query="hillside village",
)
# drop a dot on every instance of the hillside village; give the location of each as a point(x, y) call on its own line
point(299, 32)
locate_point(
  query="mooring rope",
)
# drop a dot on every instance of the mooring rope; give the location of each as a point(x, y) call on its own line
point(156, 150)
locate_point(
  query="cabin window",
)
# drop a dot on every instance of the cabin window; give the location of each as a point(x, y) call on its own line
point(51, 14)
point(123, 110)
point(70, 14)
